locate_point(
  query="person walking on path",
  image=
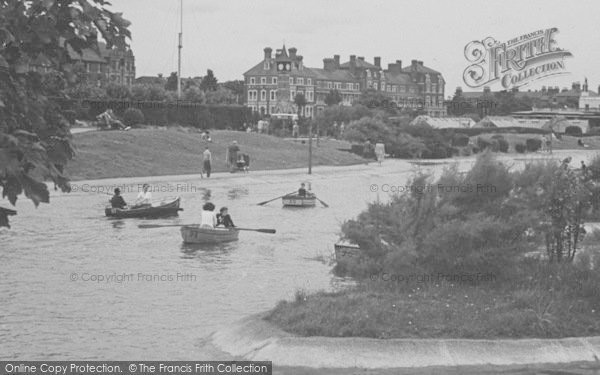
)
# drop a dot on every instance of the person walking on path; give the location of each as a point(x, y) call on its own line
point(295, 130)
point(207, 161)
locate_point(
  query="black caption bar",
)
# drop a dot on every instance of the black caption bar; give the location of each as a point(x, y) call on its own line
point(134, 367)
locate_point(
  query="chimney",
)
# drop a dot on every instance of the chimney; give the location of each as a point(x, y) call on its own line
point(336, 58)
point(395, 68)
point(399, 63)
point(268, 51)
point(486, 89)
point(576, 86)
point(292, 51)
point(352, 64)
point(300, 64)
point(599, 89)
point(377, 61)
point(421, 63)
point(329, 64)
point(361, 58)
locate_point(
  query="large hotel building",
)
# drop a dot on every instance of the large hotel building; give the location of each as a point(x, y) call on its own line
point(272, 84)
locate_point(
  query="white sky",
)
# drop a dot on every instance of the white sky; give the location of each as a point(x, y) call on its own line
point(228, 36)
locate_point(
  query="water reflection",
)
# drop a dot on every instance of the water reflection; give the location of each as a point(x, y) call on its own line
point(208, 253)
point(118, 223)
point(206, 194)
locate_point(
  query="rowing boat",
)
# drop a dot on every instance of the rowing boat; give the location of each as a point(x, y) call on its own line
point(165, 208)
point(196, 234)
point(294, 200)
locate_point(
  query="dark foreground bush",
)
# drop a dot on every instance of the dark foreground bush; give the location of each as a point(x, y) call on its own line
point(520, 148)
point(533, 144)
point(133, 117)
point(574, 131)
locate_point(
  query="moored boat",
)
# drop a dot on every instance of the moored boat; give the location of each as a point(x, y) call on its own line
point(197, 234)
point(345, 250)
point(165, 208)
point(294, 200)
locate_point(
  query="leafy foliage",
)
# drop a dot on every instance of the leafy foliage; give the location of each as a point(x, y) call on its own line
point(209, 82)
point(133, 117)
point(34, 134)
point(333, 97)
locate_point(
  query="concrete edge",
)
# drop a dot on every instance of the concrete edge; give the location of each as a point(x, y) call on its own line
point(253, 338)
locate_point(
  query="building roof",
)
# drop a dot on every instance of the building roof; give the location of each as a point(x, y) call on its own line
point(401, 79)
point(333, 75)
point(151, 80)
point(360, 63)
point(444, 122)
point(419, 69)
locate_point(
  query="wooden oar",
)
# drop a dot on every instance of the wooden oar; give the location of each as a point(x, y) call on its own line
point(271, 200)
point(149, 226)
point(323, 203)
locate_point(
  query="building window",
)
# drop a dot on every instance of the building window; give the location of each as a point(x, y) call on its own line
point(263, 80)
point(263, 95)
point(309, 111)
point(309, 81)
point(273, 93)
point(300, 81)
point(252, 80)
point(272, 109)
point(356, 86)
point(310, 96)
point(274, 80)
point(292, 95)
point(291, 80)
point(338, 86)
point(329, 85)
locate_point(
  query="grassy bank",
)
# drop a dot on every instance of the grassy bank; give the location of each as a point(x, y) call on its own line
point(443, 310)
point(155, 152)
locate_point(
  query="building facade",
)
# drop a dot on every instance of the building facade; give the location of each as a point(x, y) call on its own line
point(116, 65)
point(272, 84)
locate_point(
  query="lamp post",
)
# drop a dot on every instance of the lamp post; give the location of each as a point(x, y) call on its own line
point(310, 147)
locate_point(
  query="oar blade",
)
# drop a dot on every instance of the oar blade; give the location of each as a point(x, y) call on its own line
point(151, 226)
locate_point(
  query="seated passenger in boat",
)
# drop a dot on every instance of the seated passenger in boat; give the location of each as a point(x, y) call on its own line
point(144, 198)
point(117, 200)
point(224, 219)
point(208, 219)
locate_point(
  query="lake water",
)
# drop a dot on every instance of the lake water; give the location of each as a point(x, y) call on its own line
point(75, 284)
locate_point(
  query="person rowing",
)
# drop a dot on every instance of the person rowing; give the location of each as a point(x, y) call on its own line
point(302, 192)
point(208, 219)
point(224, 219)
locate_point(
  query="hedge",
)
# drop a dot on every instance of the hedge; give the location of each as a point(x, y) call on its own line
point(533, 144)
point(520, 148)
point(573, 130)
point(165, 114)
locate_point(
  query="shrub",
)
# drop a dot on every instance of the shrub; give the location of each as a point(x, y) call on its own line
point(520, 148)
point(533, 144)
point(460, 140)
point(574, 131)
point(502, 145)
point(482, 144)
point(594, 130)
point(133, 117)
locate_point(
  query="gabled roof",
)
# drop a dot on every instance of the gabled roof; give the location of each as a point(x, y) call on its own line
point(359, 64)
point(258, 69)
point(399, 79)
point(334, 75)
point(420, 69)
point(444, 122)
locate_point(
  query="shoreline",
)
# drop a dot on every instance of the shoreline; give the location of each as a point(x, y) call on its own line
point(253, 338)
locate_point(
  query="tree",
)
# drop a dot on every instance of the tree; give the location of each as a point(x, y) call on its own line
point(300, 101)
point(237, 89)
point(171, 84)
point(209, 82)
point(34, 134)
point(333, 98)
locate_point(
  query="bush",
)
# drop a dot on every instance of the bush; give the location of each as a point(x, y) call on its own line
point(594, 130)
point(482, 144)
point(520, 148)
point(574, 131)
point(502, 145)
point(460, 140)
point(533, 144)
point(133, 117)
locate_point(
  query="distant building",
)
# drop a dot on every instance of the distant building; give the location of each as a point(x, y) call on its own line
point(109, 65)
point(557, 123)
point(444, 122)
point(273, 83)
point(151, 80)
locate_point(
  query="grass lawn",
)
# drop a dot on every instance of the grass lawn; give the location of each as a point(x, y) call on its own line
point(439, 311)
point(155, 152)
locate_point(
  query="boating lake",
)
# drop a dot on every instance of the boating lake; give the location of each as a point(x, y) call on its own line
point(76, 284)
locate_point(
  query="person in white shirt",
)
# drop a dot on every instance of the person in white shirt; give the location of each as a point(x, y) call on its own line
point(208, 218)
point(144, 198)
